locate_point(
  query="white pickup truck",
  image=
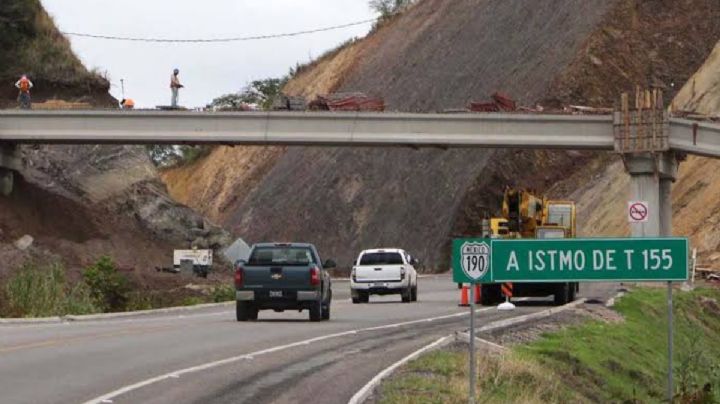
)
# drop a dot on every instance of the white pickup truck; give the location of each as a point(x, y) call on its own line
point(384, 271)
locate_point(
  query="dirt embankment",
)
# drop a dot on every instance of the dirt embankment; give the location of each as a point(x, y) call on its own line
point(440, 55)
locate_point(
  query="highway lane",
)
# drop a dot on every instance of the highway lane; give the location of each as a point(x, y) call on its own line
point(76, 362)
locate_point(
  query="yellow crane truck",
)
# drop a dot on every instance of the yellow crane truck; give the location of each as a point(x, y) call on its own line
point(526, 215)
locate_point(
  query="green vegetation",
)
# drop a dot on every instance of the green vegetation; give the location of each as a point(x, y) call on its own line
point(260, 92)
point(223, 293)
point(42, 291)
point(107, 286)
point(387, 8)
point(592, 362)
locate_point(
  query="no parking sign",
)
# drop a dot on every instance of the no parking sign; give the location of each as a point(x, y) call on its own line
point(638, 211)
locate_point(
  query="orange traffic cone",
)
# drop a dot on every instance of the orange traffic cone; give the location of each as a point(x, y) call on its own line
point(478, 293)
point(464, 299)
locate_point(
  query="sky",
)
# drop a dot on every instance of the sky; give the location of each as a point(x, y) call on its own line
point(206, 70)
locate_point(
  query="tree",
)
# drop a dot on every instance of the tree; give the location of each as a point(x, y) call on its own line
point(386, 8)
point(258, 92)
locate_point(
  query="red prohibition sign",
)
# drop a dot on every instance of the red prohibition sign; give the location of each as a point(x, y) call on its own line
point(638, 211)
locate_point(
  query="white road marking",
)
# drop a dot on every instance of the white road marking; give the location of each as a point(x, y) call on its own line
point(365, 391)
point(210, 365)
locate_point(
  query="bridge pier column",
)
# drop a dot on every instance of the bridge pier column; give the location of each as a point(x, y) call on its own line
point(10, 163)
point(651, 178)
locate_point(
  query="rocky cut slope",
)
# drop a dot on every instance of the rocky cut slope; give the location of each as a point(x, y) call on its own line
point(78, 203)
point(439, 55)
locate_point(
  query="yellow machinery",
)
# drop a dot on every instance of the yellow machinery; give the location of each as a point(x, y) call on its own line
point(526, 215)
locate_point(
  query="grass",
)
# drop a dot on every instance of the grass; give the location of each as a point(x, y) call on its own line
point(591, 362)
point(44, 291)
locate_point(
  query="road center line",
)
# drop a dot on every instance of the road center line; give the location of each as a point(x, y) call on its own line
point(126, 389)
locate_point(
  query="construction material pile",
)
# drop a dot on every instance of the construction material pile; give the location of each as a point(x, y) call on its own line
point(289, 103)
point(500, 103)
point(348, 102)
point(61, 105)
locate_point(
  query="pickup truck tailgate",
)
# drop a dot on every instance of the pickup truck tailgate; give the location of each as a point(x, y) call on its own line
point(387, 273)
point(281, 277)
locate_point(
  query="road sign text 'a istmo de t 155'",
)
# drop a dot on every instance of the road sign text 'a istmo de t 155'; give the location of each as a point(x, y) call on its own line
point(570, 260)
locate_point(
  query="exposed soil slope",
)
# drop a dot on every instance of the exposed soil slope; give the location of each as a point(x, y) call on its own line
point(439, 55)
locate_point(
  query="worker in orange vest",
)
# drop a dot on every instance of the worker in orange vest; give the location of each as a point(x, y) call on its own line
point(127, 103)
point(24, 85)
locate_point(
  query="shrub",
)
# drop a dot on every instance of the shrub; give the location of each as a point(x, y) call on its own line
point(108, 287)
point(224, 293)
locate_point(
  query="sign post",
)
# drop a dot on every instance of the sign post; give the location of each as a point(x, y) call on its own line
point(473, 372)
point(573, 260)
point(471, 264)
point(671, 389)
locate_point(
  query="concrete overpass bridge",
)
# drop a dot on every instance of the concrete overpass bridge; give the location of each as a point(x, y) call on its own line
point(651, 144)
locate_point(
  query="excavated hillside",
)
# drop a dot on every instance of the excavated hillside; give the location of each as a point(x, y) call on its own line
point(440, 55)
point(601, 191)
point(79, 203)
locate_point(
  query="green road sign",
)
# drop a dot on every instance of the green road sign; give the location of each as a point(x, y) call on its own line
point(571, 260)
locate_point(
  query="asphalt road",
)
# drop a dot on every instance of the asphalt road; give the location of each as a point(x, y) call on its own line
point(205, 356)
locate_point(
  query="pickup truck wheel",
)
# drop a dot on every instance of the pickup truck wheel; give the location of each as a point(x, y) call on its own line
point(414, 294)
point(364, 297)
point(316, 311)
point(407, 295)
point(326, 307)
point(243, 311)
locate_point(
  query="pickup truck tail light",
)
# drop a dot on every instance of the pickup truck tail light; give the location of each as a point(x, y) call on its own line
point(352, 275)
point(239, 277)
point(402, 273)
point(314, 276)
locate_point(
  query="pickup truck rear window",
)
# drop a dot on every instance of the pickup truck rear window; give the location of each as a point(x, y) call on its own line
point(281, 256)
point(385, 258)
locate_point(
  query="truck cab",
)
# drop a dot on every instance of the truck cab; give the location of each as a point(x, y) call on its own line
point(526, 215)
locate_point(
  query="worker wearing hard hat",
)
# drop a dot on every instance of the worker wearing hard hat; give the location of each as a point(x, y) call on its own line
point(175, 87)
point(127, 103)
point(24, 85)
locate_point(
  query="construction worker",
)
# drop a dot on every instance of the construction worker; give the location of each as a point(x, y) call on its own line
point(127, 103)
point(24, 85)
point(175, 87)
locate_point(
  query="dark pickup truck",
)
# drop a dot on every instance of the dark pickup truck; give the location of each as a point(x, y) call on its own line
point(283, 276)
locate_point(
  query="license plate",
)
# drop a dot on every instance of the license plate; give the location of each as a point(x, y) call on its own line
point(276, 293)
point(378, 285)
